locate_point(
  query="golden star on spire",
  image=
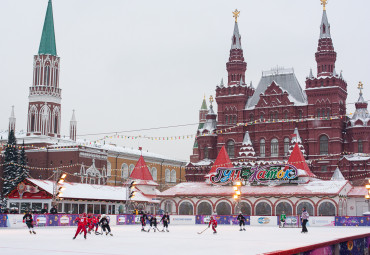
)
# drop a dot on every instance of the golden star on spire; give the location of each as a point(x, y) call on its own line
point(324, 3)
point(236, 14)
point(360, 86)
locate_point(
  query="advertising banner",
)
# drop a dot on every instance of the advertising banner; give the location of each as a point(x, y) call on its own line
point(64, 220)
point(354, 247)
point(323, 221)
point(121, 219)
point(16, 221)
point(131, 219)
point(352, 221)
point(3, 220)
point(40, 220)
point(112, 220)
point(53, 220)
point(234, 221)
point(264, 220)
point(182, 220)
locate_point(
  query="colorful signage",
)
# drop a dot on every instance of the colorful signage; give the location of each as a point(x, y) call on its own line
point(257, 174)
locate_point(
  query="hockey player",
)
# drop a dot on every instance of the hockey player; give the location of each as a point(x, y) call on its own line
point(166, 220)
point(81, 225)
point(143, 219)
point(27, 218)
point(214, 224)
point(104, 223)
point(282, 219)
point(96, 223)
point(241, 220)
point(153, 223)
point(90, 224)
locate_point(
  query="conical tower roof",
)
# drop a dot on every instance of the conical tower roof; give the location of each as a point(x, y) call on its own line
point(141, 171)
point(337, 175)
point(204, 104)
point(325, 26)
point(47, 43)
point(236, 38)
point(222, 160)
point(297, 159)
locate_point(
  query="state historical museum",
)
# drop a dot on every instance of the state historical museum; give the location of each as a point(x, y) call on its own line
point(260, 125)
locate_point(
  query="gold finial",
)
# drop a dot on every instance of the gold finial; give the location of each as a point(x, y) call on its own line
point(324, 3)
point(360, 86)
point(211, 99)
point(236, 14)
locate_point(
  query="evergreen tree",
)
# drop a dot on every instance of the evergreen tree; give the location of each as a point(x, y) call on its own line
point(10, 160)
point(23, 172)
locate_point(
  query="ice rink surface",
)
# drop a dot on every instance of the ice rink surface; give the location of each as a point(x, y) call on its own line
point(129, 240)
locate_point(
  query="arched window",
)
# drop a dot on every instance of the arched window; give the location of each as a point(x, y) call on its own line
point(154, 173)
point(173, 175)
point(167, 175)
point(131, 168)
point(124, 171)
point(328, 112)
point(261, 116)
point(286, 146)
point(230, 148)
point(46, 75)
point(324, 146)
point(186, 208)
point(56, 124)
point(360, 146)
point(308, 207)
point(327, 209)
point(276, 115)
point(251, 117)
point(271, 116)
point(318, 113)
point(284, 207)
point(168, 206)
point(286, 115)
point(323, 114)
point(226, 119)
point(263, 209)
point(323, 29)
point(262, 148)
point(244, 208)
point(32, 122)
point(206, 152)
point(300, 114)
point(274, 147)
point(204, 208)
point(223, 208)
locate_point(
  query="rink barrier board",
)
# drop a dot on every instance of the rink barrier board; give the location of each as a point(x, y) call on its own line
point(44, 220)
point(354, 245)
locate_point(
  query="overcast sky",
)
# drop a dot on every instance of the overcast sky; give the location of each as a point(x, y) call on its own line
point(129, 65)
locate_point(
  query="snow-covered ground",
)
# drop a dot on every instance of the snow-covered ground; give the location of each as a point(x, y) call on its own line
point(128, 240)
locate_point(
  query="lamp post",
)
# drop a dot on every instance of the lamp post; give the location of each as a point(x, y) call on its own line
point(237, 192)
point(367, 196)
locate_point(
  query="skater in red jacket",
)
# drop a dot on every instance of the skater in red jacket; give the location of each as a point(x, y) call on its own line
point(81, 225)
point(214, 224)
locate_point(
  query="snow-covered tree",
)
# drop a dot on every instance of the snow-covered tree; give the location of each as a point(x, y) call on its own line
point(22, 170)
point(10, 168)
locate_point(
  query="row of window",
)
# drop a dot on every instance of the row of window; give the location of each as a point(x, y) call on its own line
point(274, 115)
point(230, 119)
point(274, 149)
point(170, 175)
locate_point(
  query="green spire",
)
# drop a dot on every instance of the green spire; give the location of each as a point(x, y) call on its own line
point(204, 104)
point(47, 43)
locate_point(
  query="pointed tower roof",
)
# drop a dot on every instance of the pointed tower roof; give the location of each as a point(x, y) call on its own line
point(236, 38)
point(337, 175)
point(47, 43)
point(222, 160)
point(247, 150)
point(296, 139)
point(247, 139)
point(141, 171)
point(73, 119)
point(222, 82)
point(311, 74)
point(297, 159)
point(204, 104)
point(325, 26)
point(241, 81)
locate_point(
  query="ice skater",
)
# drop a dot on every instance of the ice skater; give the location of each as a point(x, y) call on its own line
point(81, 225)
point(282, 219)
point(166, 220)
point(213, 222)
point(27, 218)
point(153, 223)
point(143, 219)
point(241, 220)
point(104, 223)
point(304, 219)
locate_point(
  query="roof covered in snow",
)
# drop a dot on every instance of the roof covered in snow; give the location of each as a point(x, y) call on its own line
point(286, 80)
point(313, 187)
point(91, 191)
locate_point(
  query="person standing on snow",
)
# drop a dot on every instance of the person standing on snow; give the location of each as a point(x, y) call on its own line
point(81, 225)
point(27, 218)
point(304, 219)
point(104, 223)
point(282, 219)
point(166, 221)
point(241, 220)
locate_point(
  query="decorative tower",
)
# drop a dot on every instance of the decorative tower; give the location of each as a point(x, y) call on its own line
point(73, 127)
point(236, 66)
point(12, 120)
point(296, 139)
point(202, 119)
point(44, 108)
point(247, 152)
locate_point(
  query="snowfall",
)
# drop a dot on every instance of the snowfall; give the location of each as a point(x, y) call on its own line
point(128, 240)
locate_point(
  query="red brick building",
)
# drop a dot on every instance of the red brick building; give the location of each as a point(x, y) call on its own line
point(278, 107)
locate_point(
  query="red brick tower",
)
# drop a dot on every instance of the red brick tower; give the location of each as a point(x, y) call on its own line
point(326, 96)
point(231, 99)
point(44, 108)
